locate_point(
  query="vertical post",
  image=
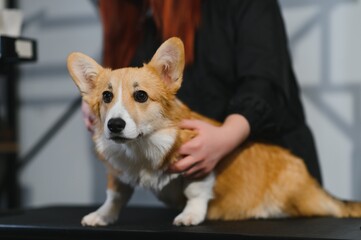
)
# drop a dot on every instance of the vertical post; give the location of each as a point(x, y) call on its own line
point(13, 193)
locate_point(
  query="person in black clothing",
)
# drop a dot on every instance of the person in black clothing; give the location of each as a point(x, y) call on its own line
point(238, 71)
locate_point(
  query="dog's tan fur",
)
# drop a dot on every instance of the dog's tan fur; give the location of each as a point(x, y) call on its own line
point(256, 180)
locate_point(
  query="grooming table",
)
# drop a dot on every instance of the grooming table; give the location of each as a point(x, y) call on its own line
point(63, 222)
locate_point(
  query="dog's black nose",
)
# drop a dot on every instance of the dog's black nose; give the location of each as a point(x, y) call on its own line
point(116, 125)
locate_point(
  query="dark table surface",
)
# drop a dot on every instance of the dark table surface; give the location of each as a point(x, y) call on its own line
point(63, 222)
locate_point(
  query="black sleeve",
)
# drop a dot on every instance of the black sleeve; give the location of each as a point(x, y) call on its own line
point(262, 66)
point(255, 100)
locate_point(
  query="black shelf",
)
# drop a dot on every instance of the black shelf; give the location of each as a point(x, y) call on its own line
point(17, 50)
point(13, 51)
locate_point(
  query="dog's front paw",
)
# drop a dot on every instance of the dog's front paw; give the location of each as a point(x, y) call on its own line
point(97, 219)
point(188, 218)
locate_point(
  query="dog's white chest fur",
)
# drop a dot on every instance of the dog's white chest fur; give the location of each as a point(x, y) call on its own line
point(139, 162)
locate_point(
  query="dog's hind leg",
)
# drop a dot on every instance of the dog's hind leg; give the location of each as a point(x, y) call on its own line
point(118, 195)
point(198, 193)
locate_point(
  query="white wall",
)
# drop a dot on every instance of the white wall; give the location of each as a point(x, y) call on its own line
point(62, 171)
point(324, 41)
point(324, 37)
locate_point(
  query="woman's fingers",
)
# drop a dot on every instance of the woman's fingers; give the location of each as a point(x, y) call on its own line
point(183, 165)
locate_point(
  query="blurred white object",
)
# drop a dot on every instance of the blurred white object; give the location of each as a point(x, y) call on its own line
point(10, 22)
point(2, 4)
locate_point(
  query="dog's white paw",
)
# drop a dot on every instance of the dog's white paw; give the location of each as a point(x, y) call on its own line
point(188, 218)
point(97, 219)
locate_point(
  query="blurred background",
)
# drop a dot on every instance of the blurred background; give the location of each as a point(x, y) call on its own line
point(54, 149)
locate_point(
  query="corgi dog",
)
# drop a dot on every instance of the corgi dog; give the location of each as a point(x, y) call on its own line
point(137, 134)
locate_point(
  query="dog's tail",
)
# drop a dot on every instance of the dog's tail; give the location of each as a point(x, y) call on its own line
point(313, 200)
point(351, 209)
point(346, 209)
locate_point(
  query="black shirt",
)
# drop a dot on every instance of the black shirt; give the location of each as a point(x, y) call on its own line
point(242, 65)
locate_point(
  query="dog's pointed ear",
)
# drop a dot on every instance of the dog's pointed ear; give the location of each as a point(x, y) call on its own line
point(168, 61)
point(84, 71)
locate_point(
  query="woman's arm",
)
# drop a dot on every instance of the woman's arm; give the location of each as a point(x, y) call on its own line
point(258, 106)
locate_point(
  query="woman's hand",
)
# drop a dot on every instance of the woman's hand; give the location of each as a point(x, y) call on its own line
point(88, 117)
point(212, 143)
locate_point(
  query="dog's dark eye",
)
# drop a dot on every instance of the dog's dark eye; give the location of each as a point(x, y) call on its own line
point(107, 96)
point(140, 96)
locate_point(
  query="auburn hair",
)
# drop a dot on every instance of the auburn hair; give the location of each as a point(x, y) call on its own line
point(122, 22)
